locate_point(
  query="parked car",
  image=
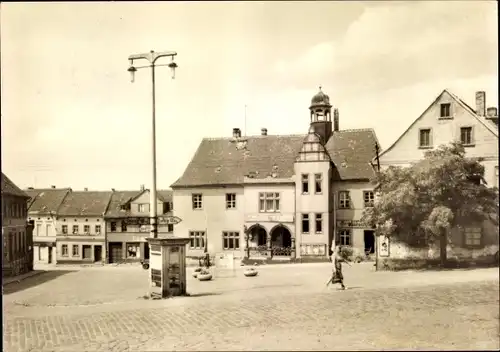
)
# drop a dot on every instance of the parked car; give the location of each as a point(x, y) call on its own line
point(145, 264)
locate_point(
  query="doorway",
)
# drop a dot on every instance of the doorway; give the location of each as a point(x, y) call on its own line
point(369, 242)
point(97, 253)
point(115, 252)
point(146, 250)
point(49, 254)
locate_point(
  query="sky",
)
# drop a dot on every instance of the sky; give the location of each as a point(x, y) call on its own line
point(72, 118)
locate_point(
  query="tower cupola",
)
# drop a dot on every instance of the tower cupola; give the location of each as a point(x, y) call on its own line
point(321, 118)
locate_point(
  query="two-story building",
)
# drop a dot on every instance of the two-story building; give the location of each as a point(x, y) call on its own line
point(449, 119)
point(81, 230)
point(275, 196)
point(17, 234)
point(127, 223)
point(42, 213)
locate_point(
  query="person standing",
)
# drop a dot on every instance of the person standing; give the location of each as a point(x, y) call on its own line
point(338, 258)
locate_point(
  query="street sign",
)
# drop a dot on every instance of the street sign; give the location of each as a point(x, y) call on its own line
point(174, 220)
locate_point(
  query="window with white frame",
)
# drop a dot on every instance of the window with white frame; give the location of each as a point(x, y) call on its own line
point(318, 183)
point(98, 229)
point(64, 229)
point(133, 250)
point(170, 228)
point(124, 226)
point(76, 250)
point(230, 201)
point(344, 200)
point(197, 200)
point(86, 229)
point(473, 236)
point(345, 238)
point(269, 202)
point(75, 229)
point(196, 239)
point(466, 136)
point(64, 250)
point(368, 198)
point(305, 223)
point(143, 208)
point(38, 229)
point(113, 226)
point(230, 240)
point(305, 183)
point(445, 110)
point(318, 222)
point(425, 138)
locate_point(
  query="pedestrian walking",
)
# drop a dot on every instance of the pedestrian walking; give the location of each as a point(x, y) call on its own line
point(337, 277)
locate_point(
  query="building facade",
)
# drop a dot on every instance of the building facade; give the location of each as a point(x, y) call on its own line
point(17, 234)
point(81, 228)
point(274, 196)
point(42, 214)
point(127, 223)
point(450, 119)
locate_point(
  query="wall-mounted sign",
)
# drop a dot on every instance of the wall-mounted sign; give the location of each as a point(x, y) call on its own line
point(174, 220)
point(384, 246)
point(144, 228)
point(136, 221)
point(353, 224)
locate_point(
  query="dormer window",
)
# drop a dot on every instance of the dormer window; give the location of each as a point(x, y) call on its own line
point(142, 208)
point(445, 111)
point(167, 206)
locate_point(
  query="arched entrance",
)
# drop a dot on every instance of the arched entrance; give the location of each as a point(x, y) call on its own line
point(257, 241)
point(281, 241)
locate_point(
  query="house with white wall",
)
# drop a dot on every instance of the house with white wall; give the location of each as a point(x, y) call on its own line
point(275, 196)
point(43, 206)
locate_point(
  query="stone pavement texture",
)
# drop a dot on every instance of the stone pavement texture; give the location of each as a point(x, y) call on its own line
point(284, 308)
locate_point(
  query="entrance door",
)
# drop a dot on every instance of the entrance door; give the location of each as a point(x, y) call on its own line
point(49, 250)
point(97, 253)
point(369, 241)
point(115, 252)
point(146, 250)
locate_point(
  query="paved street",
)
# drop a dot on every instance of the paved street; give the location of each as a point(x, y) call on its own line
point(284, 308)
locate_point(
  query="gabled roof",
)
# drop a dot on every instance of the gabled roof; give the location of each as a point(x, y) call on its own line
point(46, 200)
point(224, 161)
point(486, 123)
point(119, 198)
point(352, 151)
point(85, 203)
point(10, 188)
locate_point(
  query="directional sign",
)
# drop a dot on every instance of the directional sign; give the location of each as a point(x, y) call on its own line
point(174, 220)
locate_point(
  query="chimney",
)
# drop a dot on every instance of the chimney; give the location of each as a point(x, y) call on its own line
point(236, 133)
point(112, 189)
point(335, 119)
point(30, 188)
point(53, 187)
point(142, 188)
point(263, 131)
point(481, 103)
point(491, 112)
point(85, 189)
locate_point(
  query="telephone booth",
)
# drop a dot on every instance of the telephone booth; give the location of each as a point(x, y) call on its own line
point(167, 266)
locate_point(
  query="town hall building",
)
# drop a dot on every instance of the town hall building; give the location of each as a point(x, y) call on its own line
point(279, 196)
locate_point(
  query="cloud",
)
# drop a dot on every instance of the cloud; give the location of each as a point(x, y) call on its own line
point(395, 45)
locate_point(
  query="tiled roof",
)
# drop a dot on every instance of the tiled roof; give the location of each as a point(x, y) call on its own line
point(46, 200)
point(10, 188)
point(118, 198)
point(352, 152)
point(219, 161)
point(222, 161)
point(91, 203)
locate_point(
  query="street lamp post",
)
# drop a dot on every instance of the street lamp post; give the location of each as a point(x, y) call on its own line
point(151, 57)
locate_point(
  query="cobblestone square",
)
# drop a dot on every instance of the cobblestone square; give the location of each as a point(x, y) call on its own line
point(286, 307)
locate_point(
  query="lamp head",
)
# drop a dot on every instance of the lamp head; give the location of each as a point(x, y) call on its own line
point(132, 71)
point(172, 66)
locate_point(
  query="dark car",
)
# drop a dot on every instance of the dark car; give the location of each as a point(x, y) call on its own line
point(145, 264)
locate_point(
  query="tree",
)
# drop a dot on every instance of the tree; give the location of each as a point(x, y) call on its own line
point(423, 202)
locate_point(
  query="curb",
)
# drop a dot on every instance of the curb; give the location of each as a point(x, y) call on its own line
point(13, 280)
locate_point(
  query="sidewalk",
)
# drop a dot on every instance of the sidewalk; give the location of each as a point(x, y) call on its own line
point(19, 278)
